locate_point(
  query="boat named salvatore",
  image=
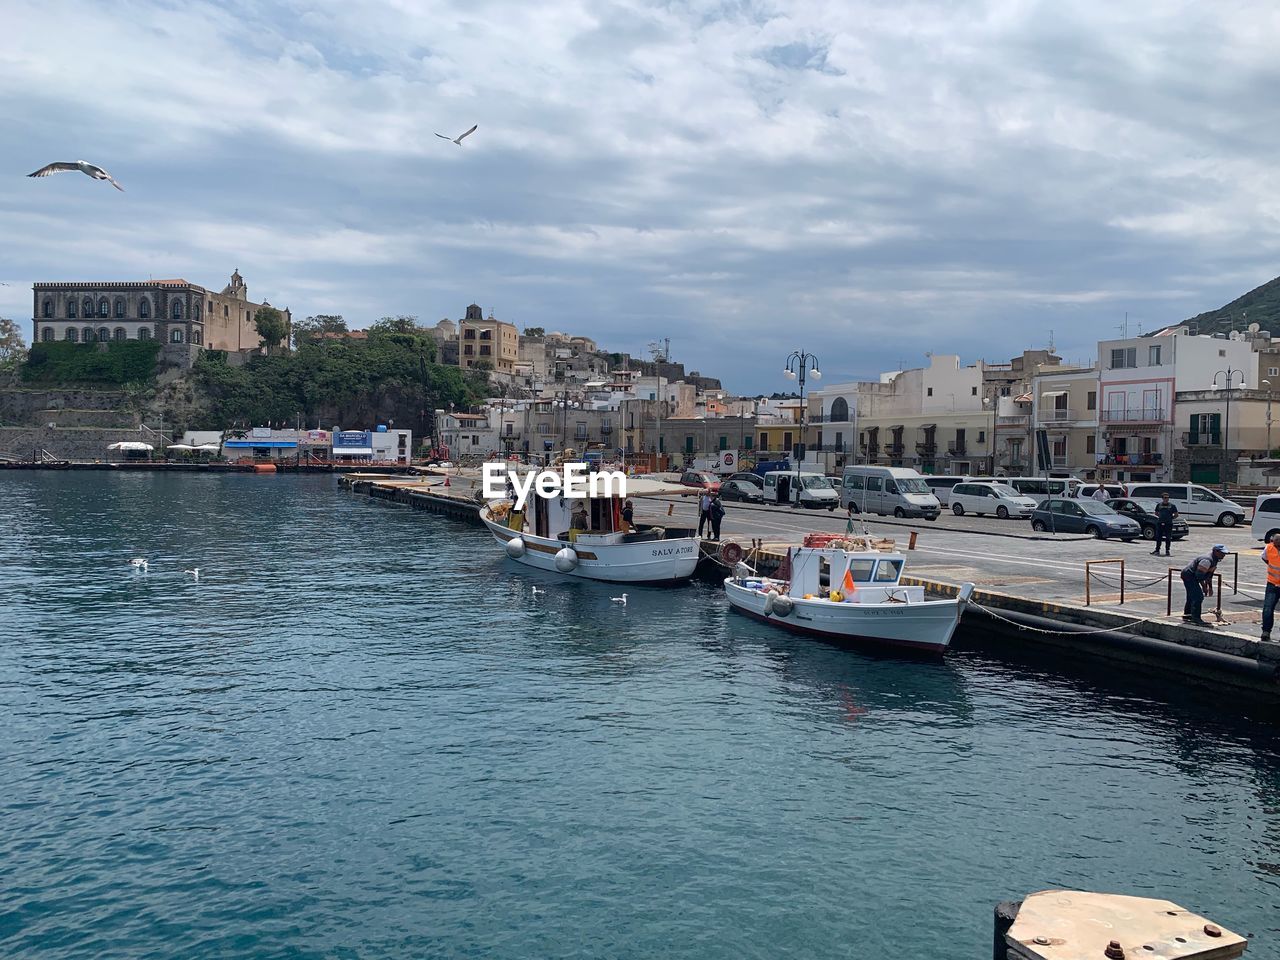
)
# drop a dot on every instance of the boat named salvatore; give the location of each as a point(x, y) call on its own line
point(848, 588)
point(588, 538)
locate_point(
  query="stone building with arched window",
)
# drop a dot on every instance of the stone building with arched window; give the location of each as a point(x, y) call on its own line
point(185, 317)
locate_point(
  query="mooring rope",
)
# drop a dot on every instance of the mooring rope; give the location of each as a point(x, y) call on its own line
point(1065, 633)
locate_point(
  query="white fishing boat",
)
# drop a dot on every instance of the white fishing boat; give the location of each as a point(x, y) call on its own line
point(588, 537)
point(849, 589)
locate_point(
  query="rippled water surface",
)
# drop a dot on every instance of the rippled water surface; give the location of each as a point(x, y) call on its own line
point(361, 734)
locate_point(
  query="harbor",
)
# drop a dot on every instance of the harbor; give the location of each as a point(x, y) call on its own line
point(364, 731)
point(1037, 590)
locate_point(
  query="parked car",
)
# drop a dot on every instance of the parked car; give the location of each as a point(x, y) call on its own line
point(1089, 489)
point(990, 497)
point(888, 490)
point(743, 486)
point(1193, 501)
point(701, 479)
point(1040, 488)
point(1061, 515)
point(941, 487)
point(1146, 518)
point(801, 489)
point(1266, 516)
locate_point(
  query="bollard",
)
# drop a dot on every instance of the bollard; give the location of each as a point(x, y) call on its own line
point(911, 543)
point(670, 508)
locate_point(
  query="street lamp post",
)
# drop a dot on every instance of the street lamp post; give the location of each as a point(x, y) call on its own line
point(798, 363)
point(990, 401)
point(1228, 376)
point(1268, 383)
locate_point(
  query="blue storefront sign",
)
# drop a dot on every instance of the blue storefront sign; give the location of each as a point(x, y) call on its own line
point(353, 443)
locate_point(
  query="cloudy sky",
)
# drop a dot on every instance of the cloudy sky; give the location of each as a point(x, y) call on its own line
point(868, 181)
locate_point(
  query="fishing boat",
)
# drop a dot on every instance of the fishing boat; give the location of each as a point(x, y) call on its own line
point(849, 589)
point(588, 538)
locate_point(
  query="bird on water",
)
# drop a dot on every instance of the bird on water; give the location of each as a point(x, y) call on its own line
point(195, 574)
point(84, 166)
point(138, 563)
point(622, 599)
point(458, 140)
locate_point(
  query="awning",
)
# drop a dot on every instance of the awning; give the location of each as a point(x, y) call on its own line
point(280, 444)
point(1052, 394)
point(181, 446)
point(896, 426)
point(136, 445)
point(353, 451)
point(1025, 398)
point(928, 426)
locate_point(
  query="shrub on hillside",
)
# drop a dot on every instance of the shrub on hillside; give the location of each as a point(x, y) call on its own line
point(121, 362)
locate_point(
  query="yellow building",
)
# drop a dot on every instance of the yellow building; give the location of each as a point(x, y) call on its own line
point(482, 339)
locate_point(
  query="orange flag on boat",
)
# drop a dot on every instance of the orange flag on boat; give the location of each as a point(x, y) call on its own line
point(849, 586)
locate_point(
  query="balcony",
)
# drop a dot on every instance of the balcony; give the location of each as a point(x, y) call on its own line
point(606, 428)
point(1134, 459)
point(894, 449)
point(825, 418)
point(1056, 415)
point(1131, 415)
point(926, 449)
point(1209, 439)
point(955, 450)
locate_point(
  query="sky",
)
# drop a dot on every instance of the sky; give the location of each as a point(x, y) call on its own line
point(866, 181)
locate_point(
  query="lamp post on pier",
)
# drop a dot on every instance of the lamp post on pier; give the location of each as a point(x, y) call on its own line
point(798, 363)
point(1228, 376)
point(1268, 383)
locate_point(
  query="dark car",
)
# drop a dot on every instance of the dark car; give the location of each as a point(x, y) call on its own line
point(743, 486)
point(1146, 518)
point(1084, 516)
point(701, 479)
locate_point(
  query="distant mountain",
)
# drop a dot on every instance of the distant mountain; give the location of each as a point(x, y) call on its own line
point(1260, 305)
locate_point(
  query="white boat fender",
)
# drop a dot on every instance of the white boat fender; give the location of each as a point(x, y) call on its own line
point(566, 559)
point(769, 599)
point(515, 548)
point(783, 605)
point(966, 591)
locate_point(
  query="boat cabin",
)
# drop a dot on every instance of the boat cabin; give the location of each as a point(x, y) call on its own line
point(819, 571)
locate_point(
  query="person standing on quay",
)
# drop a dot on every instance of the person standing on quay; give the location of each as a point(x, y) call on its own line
point(1101, 494)
point(704, 511)
point(1165, 512)
point(1271, 557)
point(715, 513)
point(1197, 577)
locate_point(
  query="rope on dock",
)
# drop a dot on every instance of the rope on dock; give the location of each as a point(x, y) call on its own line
point(1064, 633)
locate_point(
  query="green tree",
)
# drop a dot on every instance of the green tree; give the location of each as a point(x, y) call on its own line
point(309, 329)
point(401, 324)
point(13, 349)
point(535, 332)
point(271, 326)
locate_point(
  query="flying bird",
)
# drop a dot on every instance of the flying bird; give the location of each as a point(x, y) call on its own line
point(457, 140)
point(91, 170)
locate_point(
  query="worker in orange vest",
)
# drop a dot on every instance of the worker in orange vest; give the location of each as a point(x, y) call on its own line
point(1271, 557)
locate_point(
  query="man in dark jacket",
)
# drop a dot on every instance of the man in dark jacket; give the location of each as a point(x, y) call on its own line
point(1197, 577)
point(715, 514)
point(1165, 512)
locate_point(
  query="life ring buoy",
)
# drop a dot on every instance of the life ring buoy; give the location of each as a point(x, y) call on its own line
point(730, 553)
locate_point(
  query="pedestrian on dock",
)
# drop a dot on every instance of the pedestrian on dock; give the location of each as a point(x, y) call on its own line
point(704, 511)
point(628, 515)
point(716, 513)
point(1165, 511)
point(1197, 577)
point(1271, 557)
point(1101, 494)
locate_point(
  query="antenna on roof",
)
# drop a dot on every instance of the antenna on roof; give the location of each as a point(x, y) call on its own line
point(1051, 347)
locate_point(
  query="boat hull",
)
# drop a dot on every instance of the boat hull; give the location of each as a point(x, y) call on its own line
point(925, 626)
point(650, 561)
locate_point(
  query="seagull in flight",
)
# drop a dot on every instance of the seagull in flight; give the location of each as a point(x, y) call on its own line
point(92, 170)
point(457, 140)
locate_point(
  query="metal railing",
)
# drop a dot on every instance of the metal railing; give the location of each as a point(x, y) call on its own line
point(1131, 415)
point(1056, 414)
point(1202, 439)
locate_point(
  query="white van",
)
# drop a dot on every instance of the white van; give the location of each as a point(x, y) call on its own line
point(1193, 501)
point(888, 490)
point(940, 487)
point(1266, 516)
point(983, 497)
point(1115, 491)
point(804, 489)
point(1040, 489)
